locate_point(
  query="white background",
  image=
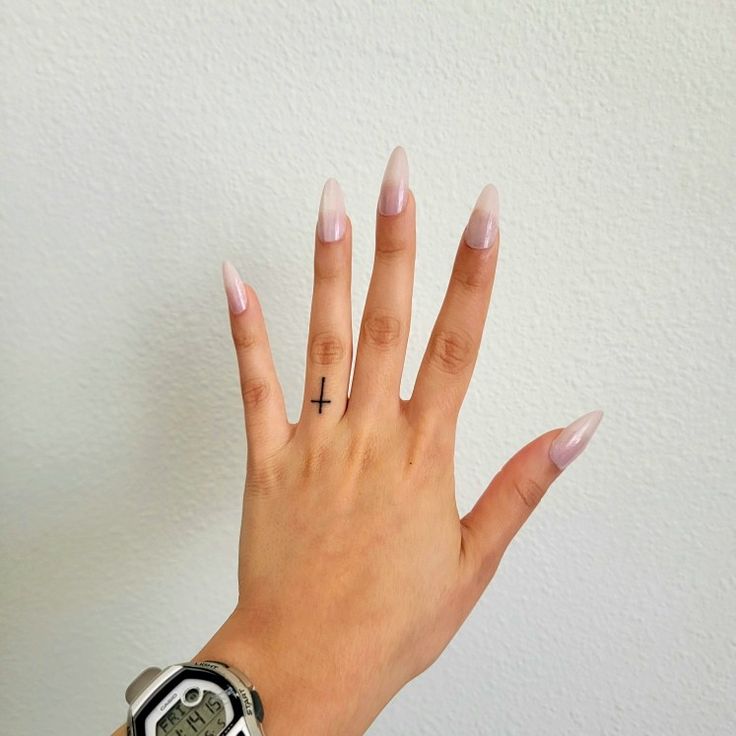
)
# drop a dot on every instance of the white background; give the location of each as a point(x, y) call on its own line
point(142, 143)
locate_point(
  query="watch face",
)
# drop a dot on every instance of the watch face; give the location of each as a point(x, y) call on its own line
point(194, 702)
point(200, 712)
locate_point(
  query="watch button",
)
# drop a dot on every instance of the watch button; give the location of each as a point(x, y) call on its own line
point(141, 683)
point(257, 705)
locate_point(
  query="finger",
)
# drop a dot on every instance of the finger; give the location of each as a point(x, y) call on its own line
point(330, 338)
point(516, 491)
point(448, 362)
point(386, 316)
point(266, 423)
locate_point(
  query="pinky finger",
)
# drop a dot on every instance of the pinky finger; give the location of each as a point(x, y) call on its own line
point(267, 426)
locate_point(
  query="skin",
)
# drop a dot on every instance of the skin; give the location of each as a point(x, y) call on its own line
point(355, 567)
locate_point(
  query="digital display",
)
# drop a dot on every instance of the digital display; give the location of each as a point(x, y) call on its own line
point(205, 717)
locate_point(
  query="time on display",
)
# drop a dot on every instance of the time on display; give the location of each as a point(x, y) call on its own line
point(205, 717)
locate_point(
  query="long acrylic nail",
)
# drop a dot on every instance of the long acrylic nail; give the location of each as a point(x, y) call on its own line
point(395, 185)
point(331, 220)
point(574, 439)
point(482, 227)
point(237, 298)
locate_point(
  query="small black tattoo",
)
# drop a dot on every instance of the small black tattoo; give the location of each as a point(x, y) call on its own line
point(320, 400)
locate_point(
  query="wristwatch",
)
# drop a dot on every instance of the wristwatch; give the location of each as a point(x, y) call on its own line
point(194, 699)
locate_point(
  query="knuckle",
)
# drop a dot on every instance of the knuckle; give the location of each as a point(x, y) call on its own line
point(265, 476)
point(326, 349)
point(244, 341)
point(451, 350)
point(255, 392)
point(528, 490)
point(362, 451)
point(313, 460)
point(470, 280)
point(381, 330)
point(327, 270)
point(390, 246)
point(429, 447)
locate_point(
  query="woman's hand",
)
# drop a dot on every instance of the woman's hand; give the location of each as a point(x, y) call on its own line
point(355, 567)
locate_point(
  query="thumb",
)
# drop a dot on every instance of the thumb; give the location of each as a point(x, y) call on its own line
point(515, 492)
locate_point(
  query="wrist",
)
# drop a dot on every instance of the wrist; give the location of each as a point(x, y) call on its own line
point(300, 691)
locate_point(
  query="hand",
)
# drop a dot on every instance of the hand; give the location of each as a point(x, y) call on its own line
point(355, 568)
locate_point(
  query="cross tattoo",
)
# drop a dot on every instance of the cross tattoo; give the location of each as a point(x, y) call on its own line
point(320, 400)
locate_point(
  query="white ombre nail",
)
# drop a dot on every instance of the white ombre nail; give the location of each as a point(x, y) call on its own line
point(237, 298)
point(482, 227)
point(395, 185)
point(331, 220)
point(574, 439)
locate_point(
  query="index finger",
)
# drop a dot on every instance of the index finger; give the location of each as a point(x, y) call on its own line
point(449, 359)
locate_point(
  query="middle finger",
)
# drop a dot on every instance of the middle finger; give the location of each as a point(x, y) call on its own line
point(384, 329)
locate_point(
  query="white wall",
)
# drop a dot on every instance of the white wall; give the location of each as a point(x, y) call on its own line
point(142, 145)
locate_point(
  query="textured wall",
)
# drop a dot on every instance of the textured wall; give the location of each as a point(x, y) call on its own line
point(142, 145)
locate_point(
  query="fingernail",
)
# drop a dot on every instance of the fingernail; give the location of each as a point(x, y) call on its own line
point(395, 185)
point(574, 439)
point(482, 227)
point(331, 220)
point(234, 288)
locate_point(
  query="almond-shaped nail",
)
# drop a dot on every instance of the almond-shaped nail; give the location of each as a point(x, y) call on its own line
point(574, 439)
point(482, 227)
point(395, 185)
point(331, 220)
point(237, 298)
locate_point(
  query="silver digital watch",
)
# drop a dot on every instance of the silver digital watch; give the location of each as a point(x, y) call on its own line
point(193, 699)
